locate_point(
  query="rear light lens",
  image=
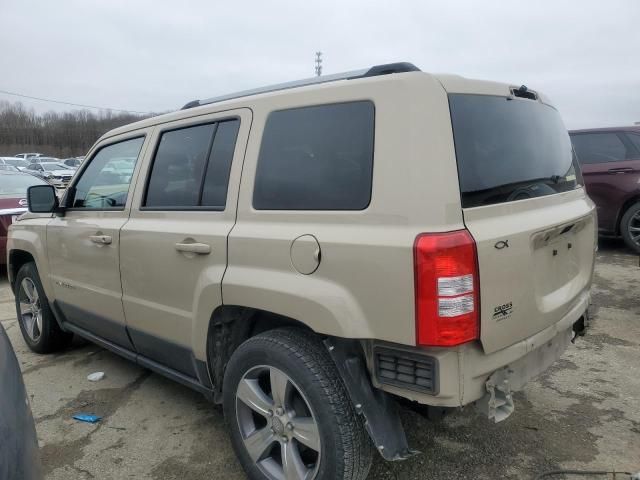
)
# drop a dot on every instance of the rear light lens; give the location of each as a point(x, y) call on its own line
point(447, 289)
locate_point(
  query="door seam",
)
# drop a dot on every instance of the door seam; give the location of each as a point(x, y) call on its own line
point(237, 203)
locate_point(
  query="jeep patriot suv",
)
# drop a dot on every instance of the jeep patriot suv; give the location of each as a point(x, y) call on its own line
point(306, 254)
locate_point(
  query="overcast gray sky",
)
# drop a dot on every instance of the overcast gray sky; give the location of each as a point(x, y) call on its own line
point(156, 55)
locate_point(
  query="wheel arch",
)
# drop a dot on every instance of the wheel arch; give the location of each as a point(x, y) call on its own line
point(17, 259)
point(229, 327)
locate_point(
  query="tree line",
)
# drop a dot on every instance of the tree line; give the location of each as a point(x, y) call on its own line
point(56, 134)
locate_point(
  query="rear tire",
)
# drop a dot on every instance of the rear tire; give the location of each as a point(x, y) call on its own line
point(39, 327)
point(310, 419)
point(630, 227)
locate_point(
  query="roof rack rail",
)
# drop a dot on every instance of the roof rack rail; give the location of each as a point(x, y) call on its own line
point(376, 70)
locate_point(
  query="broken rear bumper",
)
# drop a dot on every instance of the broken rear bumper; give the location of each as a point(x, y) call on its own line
point(465, 374)
point(497, 402)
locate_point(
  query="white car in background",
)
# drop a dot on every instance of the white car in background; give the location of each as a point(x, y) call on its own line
point(55, 173)
point(18, 163)
point(28, 156)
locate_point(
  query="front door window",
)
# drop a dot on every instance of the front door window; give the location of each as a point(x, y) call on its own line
point(104, 184)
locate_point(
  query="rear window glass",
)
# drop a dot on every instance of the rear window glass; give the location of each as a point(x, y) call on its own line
point(509, 149)
point(599, 147)
point(316, 158)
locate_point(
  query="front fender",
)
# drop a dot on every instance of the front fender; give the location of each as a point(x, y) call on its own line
point(29, 235)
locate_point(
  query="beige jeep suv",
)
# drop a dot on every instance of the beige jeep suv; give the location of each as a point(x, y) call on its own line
point(308, 253)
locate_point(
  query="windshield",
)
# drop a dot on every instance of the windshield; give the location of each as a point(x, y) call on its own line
point(11, 185)
point(510, 149)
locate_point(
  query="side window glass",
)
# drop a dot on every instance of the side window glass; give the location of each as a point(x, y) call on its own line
point(635, 139)
point(178, 167)
point(191, 167)
point(599, 147)
point(214, 192)
point(104, 184)
point(316, 158)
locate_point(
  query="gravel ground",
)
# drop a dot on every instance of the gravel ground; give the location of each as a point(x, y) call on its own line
point(584, 413)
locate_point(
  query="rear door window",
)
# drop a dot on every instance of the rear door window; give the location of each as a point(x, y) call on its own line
point(178, 167)
point(216, 180)
point(191, 167)
point(509, 149)
point(316, 158)
point(599, 147)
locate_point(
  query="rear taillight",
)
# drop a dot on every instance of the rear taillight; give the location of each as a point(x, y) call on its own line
point(447, 289)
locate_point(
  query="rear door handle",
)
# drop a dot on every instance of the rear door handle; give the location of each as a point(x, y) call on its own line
point(101, 239)
point(200, 248)
point(618, 171)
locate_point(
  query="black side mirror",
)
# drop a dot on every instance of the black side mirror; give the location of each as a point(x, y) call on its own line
point(42, 199)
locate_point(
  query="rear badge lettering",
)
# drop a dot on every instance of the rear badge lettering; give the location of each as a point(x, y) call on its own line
point(503, 312)
point(501, 244)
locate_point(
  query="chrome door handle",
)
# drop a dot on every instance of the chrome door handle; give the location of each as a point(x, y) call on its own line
point(618, 171)
point(200, 248)
point(101, 239)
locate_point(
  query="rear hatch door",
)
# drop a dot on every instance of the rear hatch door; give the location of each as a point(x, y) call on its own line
point(524, 205)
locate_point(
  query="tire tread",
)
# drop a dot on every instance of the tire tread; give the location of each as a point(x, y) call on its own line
point(356, 448)
point(52, 338)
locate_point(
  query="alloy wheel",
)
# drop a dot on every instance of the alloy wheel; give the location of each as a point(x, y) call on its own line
point(278, 428)
point(30, 309)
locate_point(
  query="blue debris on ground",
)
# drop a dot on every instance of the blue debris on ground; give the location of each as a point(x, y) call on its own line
point(87, 417)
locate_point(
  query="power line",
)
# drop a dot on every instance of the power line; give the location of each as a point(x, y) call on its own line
point(72, 104)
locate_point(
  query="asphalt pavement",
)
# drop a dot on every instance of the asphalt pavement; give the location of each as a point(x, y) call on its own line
point(583, 413)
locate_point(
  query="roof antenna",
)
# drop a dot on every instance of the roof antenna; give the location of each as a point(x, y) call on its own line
point(318, 64)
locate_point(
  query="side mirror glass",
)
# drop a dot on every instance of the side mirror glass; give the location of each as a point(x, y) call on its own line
point(42, 199)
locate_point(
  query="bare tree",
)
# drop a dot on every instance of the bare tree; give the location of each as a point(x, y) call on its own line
point(56, 134)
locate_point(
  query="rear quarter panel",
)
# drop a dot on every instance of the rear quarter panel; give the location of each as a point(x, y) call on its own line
point(364, 286)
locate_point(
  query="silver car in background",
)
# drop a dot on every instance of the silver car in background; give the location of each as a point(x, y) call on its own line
point(18, 163)
point(55, 173)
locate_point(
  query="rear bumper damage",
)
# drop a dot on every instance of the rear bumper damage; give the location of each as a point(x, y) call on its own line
point(497, 403)
point(444, 377)
point(466, 374)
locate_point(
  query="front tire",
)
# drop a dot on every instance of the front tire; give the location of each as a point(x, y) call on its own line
point(630, 227)
point(289, 413)
point(39, 327)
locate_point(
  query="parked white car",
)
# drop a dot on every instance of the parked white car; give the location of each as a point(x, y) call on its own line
point(55, 173)
point(19, 163)
point(28, 156)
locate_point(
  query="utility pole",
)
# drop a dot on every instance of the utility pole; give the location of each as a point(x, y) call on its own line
point(318, 64)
